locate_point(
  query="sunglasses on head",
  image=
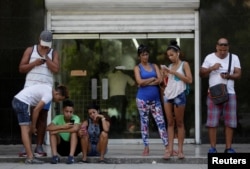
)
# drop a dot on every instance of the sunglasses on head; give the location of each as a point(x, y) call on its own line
point(222, 44)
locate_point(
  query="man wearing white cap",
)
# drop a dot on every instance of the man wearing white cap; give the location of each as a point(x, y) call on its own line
point(46, 39)
point(40, 62)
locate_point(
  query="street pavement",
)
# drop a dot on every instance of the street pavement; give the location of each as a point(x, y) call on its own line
point(102, 166)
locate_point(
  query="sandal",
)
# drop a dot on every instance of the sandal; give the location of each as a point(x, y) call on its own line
point(167, 155)
point(145, 152)
point(83, 161)
point(181, 156)
point(175, 153)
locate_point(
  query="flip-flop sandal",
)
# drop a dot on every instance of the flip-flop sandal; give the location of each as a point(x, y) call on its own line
point(83, 161)
point(181, 156)
point(175, 153)
point(167, 155)
point(145, 152)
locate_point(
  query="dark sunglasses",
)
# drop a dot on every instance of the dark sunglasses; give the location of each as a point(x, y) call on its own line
point(222, 44)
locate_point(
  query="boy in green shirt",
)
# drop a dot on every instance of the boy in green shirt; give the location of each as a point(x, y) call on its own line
point(63, 134)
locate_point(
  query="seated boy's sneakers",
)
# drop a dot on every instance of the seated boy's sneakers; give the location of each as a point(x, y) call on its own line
point(70, 160)
point(229, 150)
point(212, 150)
point(33, 161)
point(39, 151)
point(55, 160)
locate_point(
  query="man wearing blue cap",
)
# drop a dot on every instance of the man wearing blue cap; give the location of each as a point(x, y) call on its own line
point(40, 62)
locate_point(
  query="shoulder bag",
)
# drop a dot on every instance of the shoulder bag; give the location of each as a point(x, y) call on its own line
point(218, 93)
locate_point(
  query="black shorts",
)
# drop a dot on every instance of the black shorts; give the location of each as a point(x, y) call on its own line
point(63, 148)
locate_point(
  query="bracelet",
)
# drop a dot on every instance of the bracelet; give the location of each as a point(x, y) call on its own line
point(103, 118)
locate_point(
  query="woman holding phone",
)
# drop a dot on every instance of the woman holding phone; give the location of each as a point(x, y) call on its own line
point(179, 75)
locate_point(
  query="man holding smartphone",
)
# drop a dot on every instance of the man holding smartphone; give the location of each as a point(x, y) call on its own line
point(215, 66)
point(40, 62)
point(63, 134)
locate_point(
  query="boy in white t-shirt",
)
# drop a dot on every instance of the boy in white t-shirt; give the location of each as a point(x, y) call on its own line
point(37, 96)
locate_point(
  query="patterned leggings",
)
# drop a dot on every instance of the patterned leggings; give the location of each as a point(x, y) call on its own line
point(145, 107)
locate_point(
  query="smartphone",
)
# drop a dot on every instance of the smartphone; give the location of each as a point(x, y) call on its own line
point(224, 73)
point(72, 121)
point(44, 60)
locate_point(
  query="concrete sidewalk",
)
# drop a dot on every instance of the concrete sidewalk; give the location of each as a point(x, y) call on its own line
point(130, 154)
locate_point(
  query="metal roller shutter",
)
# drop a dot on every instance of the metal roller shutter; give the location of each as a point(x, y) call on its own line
point(102, 16)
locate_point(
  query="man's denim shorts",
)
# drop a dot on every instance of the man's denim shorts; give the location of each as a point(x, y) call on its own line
point(22, 110)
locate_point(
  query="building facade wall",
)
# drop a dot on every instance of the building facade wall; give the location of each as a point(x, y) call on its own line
point(21, 24)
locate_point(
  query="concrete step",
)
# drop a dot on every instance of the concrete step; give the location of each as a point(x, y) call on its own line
point(130, 154)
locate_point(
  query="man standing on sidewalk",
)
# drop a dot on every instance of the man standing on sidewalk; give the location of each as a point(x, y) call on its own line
point(40, 62)
point(216, 66)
